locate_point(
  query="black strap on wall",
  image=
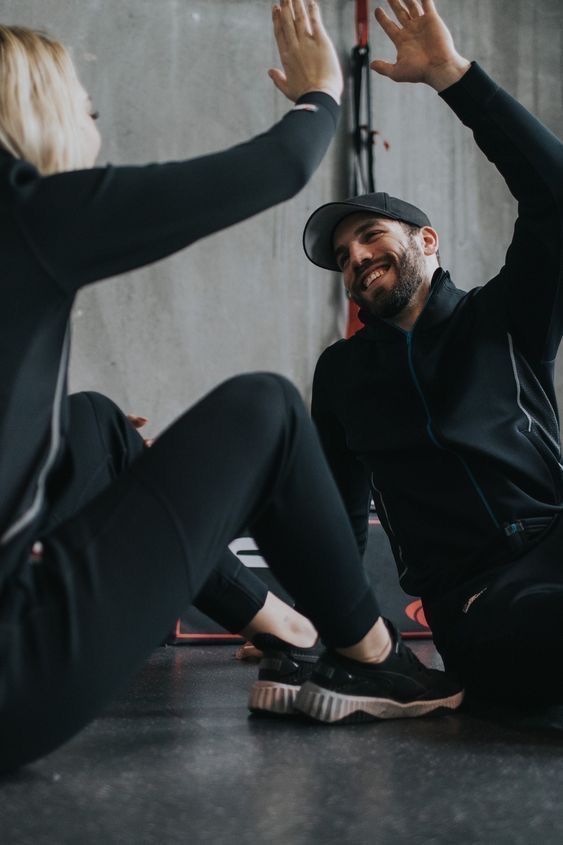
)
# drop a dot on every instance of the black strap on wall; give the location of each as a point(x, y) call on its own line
point(363, 175)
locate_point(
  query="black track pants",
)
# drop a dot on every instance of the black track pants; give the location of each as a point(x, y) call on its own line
point(101, 443)
point(115, 576)
point(502, 632)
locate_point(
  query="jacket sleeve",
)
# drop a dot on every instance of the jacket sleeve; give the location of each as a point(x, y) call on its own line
point(87, 225)
point(530, 158)
point(351, 476)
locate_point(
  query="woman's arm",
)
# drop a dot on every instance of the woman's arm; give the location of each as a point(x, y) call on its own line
point(91, 224)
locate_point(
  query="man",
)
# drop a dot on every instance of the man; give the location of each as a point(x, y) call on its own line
point(443, 405)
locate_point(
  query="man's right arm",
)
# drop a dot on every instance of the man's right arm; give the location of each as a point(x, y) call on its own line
point(351, 476)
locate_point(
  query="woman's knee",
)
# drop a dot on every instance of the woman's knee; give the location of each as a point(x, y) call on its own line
point(262, 394)
point(90, 403)
point(96, 413)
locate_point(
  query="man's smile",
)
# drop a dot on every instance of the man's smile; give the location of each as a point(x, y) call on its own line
point(372, 276)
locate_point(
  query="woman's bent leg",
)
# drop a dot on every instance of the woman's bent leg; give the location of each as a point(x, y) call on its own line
point(74, 628)
point(101, 444)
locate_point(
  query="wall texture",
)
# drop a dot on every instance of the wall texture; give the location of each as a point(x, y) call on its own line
point(178, 78)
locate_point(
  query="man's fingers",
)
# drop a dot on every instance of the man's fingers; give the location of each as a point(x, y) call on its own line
point(387, 25)
point(279, 79)
point(400, 11)
point(429, 7)
point(414, 8)
point(384, 68)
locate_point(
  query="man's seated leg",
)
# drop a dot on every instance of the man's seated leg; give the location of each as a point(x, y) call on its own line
point(503, 632)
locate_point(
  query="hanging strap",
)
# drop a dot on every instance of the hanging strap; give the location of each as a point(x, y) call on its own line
point(362, 23)
point(363, 135)
point(363, 179)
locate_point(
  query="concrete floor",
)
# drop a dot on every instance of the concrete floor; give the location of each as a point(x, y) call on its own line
point(177, 759)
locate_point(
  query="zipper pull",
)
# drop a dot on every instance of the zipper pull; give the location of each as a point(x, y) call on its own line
point(514, 532)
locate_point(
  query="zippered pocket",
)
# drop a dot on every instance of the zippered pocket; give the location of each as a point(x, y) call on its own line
point(549, 460)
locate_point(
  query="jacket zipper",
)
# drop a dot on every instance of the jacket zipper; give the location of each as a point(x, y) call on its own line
point(35, 508)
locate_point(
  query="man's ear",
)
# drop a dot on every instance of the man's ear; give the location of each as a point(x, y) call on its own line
point(430, 240)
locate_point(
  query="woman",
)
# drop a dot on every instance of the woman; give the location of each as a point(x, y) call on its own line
point(117, 572)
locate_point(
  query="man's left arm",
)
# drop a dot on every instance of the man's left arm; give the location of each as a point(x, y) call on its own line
point(529, 157)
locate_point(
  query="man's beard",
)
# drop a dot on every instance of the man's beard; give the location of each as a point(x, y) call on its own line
point(409, 269)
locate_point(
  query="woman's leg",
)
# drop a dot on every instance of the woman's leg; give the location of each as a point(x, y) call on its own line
point(101, 444)
point(115, 576)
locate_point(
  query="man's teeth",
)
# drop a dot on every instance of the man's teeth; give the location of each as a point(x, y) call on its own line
point(375, 274)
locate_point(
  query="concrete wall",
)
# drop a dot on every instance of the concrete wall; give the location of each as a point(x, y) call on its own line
point(177, 78)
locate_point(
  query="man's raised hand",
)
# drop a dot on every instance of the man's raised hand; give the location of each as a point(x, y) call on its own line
point(425, 47)
point(307, 54)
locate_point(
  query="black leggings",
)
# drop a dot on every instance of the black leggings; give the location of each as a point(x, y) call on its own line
point(115, 576)
point(502, 632)
point(101, 443)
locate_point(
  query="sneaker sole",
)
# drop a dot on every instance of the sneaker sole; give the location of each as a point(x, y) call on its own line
point(331, 707)
point(270, 697)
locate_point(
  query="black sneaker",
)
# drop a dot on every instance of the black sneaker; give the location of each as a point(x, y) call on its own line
point(342, 691)
point(282, 670)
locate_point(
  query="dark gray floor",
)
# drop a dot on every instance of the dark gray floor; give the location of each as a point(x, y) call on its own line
point(177, 760)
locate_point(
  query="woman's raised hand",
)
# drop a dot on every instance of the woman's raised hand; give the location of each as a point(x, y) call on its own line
point(307, 54)
point(425, 47)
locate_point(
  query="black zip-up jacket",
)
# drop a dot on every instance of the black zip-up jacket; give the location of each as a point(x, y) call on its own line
point(62, 232)
point(455, 424)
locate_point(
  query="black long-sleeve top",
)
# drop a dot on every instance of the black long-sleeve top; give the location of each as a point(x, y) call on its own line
point(59, 233)
point(454, 425)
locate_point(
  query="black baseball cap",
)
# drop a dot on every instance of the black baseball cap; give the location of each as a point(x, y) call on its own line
point(319, 229)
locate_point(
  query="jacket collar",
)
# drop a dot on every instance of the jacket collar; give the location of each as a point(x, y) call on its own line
point(442, 300)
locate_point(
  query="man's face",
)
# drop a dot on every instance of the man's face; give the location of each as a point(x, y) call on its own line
point(382, 264)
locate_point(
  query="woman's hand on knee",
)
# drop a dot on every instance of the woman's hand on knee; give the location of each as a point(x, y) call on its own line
point(138, 422)
point(307, 54)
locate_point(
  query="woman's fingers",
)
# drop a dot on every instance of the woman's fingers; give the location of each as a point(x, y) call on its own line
point(137, 420)
point(288, 23)
point(301, 19)
point(317, 26)
point(429, 7)
point(308, 57)
point(278, 31)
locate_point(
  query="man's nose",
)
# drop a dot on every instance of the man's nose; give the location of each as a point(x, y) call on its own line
point(358, 253)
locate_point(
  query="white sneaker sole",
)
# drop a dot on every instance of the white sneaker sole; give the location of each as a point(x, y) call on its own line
point(271, 697)
point(330, 707)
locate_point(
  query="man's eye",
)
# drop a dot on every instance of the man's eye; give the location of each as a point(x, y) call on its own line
point(342, 261)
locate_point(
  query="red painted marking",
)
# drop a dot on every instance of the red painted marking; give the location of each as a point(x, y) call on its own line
point(415, 611)
point(354, 323)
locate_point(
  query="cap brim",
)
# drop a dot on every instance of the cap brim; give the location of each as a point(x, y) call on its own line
point(319, 230)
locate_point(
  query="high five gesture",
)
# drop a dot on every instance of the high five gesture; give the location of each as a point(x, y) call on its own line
point(425, 47)
point(307, 54)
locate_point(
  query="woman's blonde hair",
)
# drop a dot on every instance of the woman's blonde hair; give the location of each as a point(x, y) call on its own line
point(40, 106)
